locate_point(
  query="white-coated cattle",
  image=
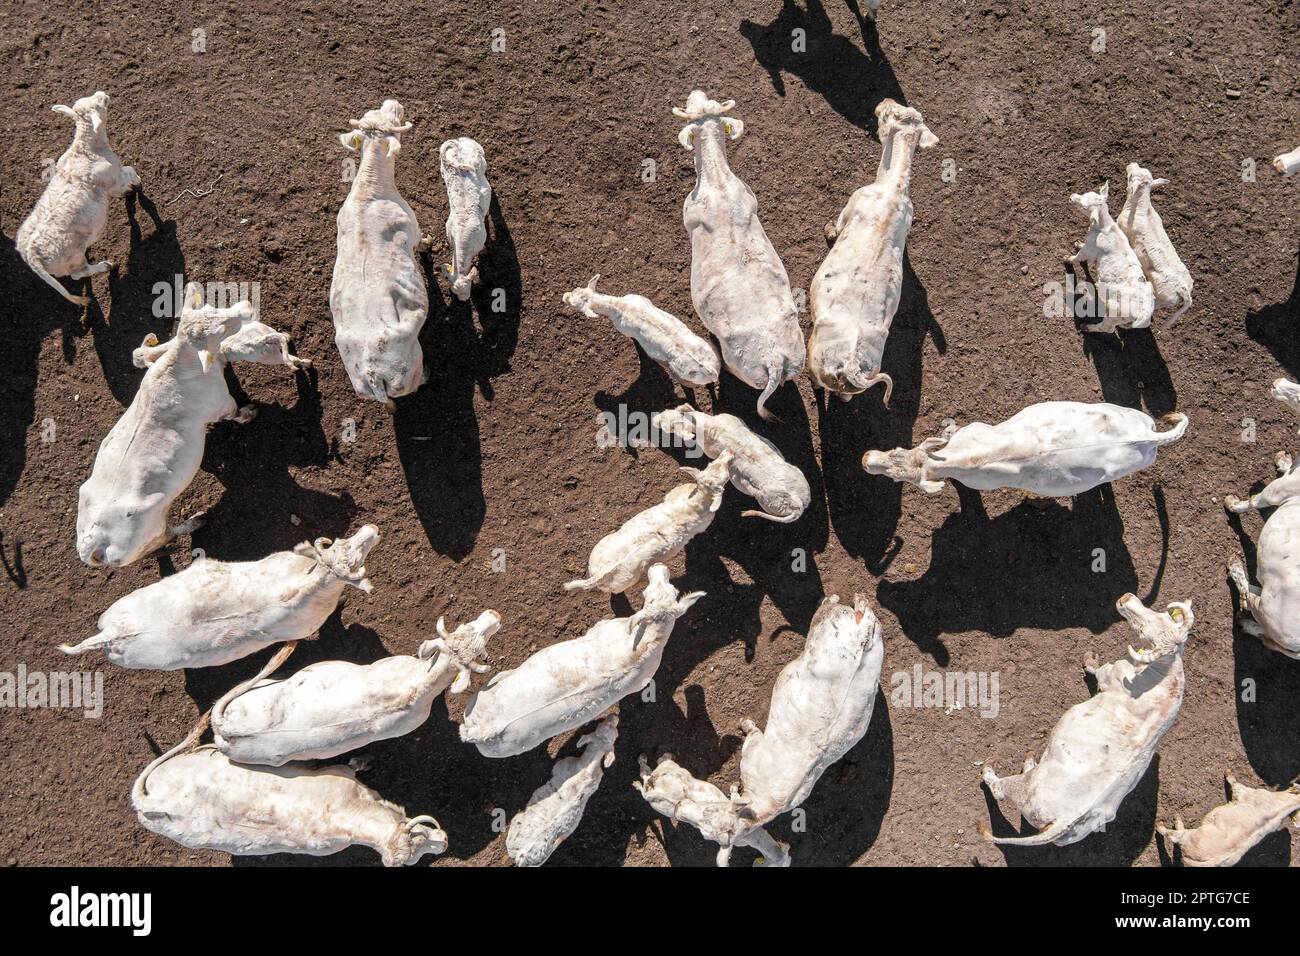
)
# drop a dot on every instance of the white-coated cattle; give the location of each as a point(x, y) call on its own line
point(673, 792)
point(203, 800)
point(1169, 278)
point(564, 686)
point(757, 467)
point(855, 293)
point(333, 707)
point(739, 287)
point(72, 211)
point(1272, 610)
point(555, 808)
point(377, 295)
point(1288, 164)
point(1121, 289)
point(469, 197)
point(214, 612)
point(1100, 749)
point(687, 358)
point(153, 452)
point(1231, 829)
point(620, 559)
point(821, 706)
point(1288, 393)
point(1052, 449)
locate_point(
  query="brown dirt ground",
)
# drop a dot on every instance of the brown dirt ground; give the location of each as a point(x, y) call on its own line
point(499, 450)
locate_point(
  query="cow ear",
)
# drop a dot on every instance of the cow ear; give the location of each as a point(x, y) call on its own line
point(193, 297)
point(394, 145)
point(352, 140)
point(687, 136)
point(205, 359)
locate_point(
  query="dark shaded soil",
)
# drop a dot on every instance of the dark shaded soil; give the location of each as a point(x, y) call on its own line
point(499, 450)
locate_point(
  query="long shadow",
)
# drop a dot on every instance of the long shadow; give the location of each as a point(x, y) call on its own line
point(850, 80)
point(437, 429)
point(651, 392)
point(1131, 370)
point(865, 509)
point(1274, 327)
point(1031, 566)
point(1119, 844)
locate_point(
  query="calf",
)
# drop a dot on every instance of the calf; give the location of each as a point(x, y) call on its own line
point(469, 197)
point(1128, 298)
point(71, 213)
point(1231, 829)
point(377, 295)
point(564, 686)
point(1287, 164)
point(855, 293)
point(738, 285)
point(1273, 608)
point(685, 356)
point(1052, 449)
point(1100, 749)
point(214, 612)
point(332, 707)
point(201, 799)
point(757, 468)
point(673, 792)
point(1169, 278)
point(821, 706)
point(555, 808)
point(153, 452)
point(620, 559)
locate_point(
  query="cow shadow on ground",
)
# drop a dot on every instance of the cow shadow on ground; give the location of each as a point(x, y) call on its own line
point(436, 429)
point(1266, 686)
point(850, 80)
point(865, 509)
point(1038, 565)
point(1273, 327)
point(1119, 844)
point(630, 410)
point(1131, 370)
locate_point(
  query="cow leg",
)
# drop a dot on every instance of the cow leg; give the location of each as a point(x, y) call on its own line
point(1004, 788)
point(89, 270)
point(1247, 592)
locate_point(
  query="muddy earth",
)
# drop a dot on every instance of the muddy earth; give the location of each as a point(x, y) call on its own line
point(490, 484)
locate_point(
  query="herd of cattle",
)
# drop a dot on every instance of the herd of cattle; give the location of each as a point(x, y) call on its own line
point(254, 788)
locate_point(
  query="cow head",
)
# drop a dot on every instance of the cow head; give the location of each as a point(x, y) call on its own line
point(464, 647)
point(90, 113)
point(344, 558)
point(384, 124)
point(1164, 631)
point(700, 109)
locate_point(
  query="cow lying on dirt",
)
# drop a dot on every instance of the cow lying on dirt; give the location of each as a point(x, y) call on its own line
point(688, 358)
point(739, 287)
point(1169, 278)
point(153, 452)
point(620, 559)
point(1121, 287)
point(72, 211)
point(1273, 608)
point(1100, 749)
point(332, 707)
point(201, 799)
point(555, 808)
point(469, 197)
point(1052, 449)
point(1231, 829)
point(214, 612)
point(855, 293)
point(377, 295)
point(564, 686)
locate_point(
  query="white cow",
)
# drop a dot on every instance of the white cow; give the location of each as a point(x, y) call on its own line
point(673, 792)
point(1100, 749)
point(1169, 278)
point(71, 213)
point(1231, 829)
point(1121, 287)
point(855, 293)
point(821, 706)
point(332, 707)
point(620, 559)
point(214, 612)
point(555, 808)
point(153, 452)
point(1274, 606)
point(564, 686)
point(377, 296)
point(757, 467)
point(469, 197)
point(1052, 449)
point(1288, 393)
point(203, 800)
point(738, 285)
point(687, 358)
point(1287, 164)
